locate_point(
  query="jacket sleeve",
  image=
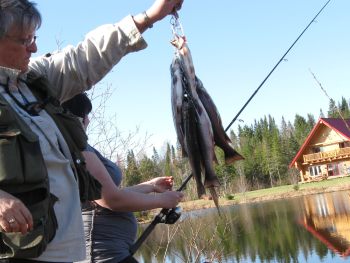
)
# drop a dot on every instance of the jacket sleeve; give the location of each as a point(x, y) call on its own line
point(75, 69)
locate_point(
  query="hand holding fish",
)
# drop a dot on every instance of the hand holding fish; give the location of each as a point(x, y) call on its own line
point(162, 184)
point(159, 10)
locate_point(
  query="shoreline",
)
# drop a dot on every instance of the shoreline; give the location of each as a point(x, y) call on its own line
point(243, 198)
point(262, 195)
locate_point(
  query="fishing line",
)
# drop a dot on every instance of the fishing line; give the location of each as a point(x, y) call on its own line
point(165, 212)
point(273, 69)
point(262, 83)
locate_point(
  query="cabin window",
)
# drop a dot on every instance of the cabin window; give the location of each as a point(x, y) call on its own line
point(315, 170)
point(344, 144)
point(333, 169)
point(316, 149)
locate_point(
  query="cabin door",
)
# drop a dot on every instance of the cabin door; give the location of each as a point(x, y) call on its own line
point(333, 169)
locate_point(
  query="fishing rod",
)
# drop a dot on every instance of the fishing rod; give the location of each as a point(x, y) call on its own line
point(170, 216)
point(273, 69)
point(262, 83)
point(166, 215)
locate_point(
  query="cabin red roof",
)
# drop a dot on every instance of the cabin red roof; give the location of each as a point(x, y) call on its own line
point(339, 125)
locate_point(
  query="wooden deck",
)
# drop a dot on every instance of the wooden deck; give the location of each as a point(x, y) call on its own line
point(337, 154)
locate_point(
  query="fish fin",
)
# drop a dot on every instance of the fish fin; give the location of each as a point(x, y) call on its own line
point(215, 197)
point(232, 158)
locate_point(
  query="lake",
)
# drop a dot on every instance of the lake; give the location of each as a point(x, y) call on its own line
point(312, 228)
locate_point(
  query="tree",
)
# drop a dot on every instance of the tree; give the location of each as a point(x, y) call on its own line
point(289, 145)
point(155, 156)
point(343, 108)
point(132, 174)
point(168, 171)
point(302, 129)
point(321, 114)
point(332, 109)
point(148, 169)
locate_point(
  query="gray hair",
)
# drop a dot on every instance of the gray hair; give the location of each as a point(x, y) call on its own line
point(21, 14)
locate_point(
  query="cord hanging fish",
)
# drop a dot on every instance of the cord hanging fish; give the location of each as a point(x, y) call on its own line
point(197, 121)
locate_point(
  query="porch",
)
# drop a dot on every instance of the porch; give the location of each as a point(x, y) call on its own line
point(320, 157)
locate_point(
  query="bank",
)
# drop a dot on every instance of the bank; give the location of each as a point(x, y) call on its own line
point(278, 192)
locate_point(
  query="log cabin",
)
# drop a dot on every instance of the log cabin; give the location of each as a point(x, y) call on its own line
point(325, 153)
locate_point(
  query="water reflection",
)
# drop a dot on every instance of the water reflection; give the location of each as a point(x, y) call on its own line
point(327, 217)
point(308, 229)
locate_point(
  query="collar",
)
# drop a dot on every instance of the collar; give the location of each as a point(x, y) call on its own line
point(11, 76)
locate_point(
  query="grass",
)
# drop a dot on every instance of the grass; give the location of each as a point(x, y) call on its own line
point(278, 192)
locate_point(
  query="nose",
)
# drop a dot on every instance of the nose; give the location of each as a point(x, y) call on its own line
point(33, 48)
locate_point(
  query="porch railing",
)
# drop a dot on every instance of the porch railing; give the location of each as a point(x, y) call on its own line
point(329, 155)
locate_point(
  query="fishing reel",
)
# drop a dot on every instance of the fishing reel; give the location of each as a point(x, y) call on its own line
point(172, 215)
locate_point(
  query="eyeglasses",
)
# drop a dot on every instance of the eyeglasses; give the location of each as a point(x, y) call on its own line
point(24, 41)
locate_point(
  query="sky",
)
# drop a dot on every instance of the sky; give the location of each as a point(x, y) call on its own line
point(234, 45)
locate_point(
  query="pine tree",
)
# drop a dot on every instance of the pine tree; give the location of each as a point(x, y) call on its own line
point(132, 174)
point(148, 169)
point(302, 129)
point(332, 109)
point(321, 114)
point(343, 107)
point(168, 164)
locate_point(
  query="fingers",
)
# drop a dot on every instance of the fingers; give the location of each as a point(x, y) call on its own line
point(14, 226)
point(180, 196)
point(14, 216)
point(16, 223)
point(9, 225)
point(178, 6)
point(177, 197)
point(162, 8)
point(165, 183)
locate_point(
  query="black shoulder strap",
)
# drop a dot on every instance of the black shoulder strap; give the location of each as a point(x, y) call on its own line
point(40, 87)
point(72, 132)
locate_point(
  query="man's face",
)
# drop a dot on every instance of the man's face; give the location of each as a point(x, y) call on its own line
point(16, 49)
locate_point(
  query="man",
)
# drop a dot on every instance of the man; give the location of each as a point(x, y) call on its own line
point(41, 171)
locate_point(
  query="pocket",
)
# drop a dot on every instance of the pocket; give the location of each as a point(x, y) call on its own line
point(6, 116)
point(10, 169)
point(17, 242)
point(21, 160)
point(33, 243)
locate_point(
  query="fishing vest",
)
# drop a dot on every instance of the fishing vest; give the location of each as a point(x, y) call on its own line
point(24, 175)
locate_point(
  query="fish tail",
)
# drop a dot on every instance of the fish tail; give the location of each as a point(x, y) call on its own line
point(215, 198)
point(231, 155)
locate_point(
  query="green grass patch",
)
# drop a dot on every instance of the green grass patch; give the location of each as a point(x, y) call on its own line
point(278, 190)
point(285, 191)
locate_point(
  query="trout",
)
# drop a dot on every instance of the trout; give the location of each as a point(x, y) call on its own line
point(220, 137)
point(197, 122)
